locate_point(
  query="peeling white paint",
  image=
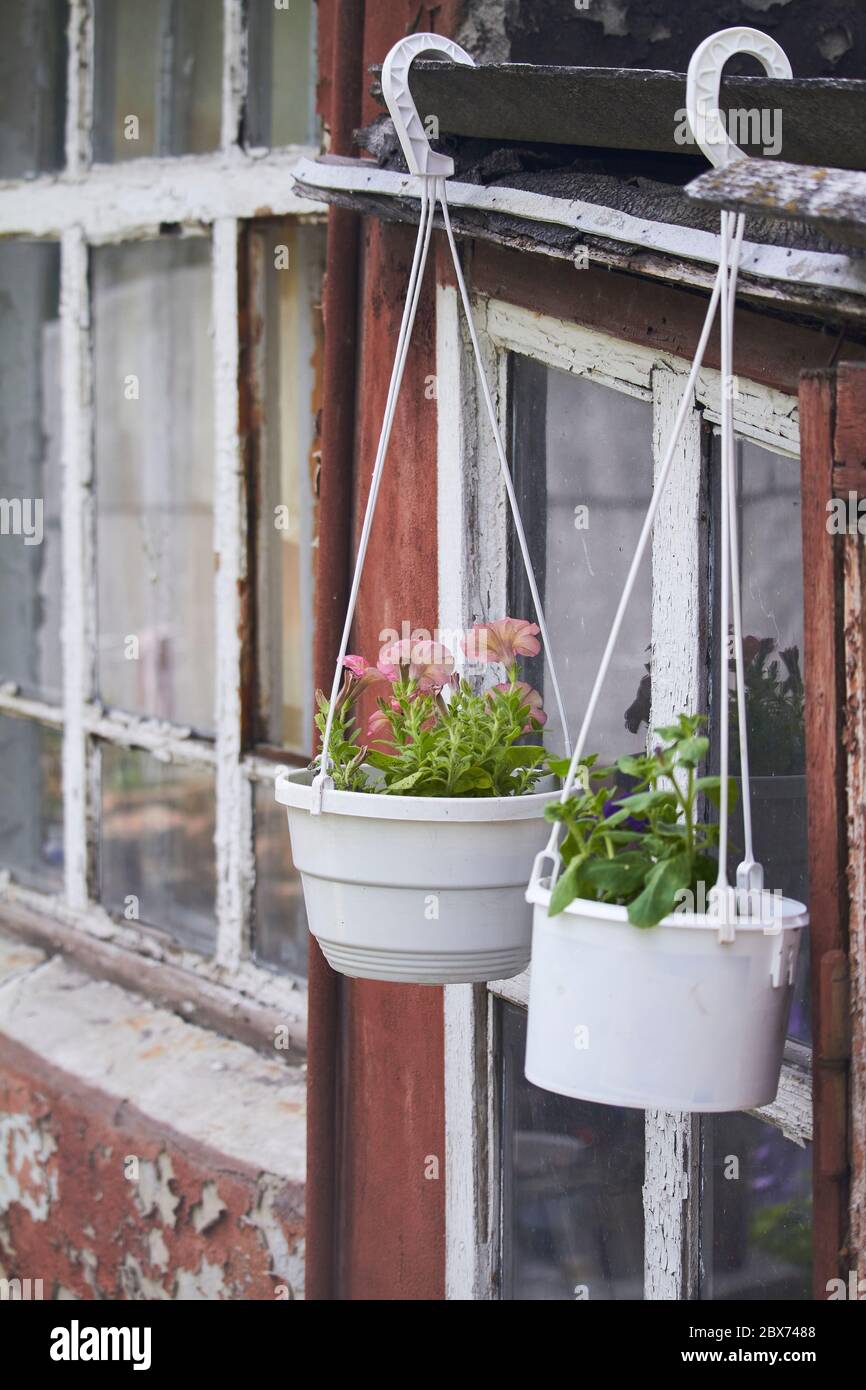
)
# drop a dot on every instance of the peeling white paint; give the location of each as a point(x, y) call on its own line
point(205, 1285)
point(233, 837)
point(777, 263)
point(287, 1261)
point(234, 78)
point(208, 1210)
point(152, 1189)
point(130, 200)
point(157, 1249)
point(26, 1145)
point(252, 1110)
point(78, 603)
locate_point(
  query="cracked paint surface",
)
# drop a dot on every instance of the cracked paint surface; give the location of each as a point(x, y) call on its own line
point(141, 1157)
point(175, 1229)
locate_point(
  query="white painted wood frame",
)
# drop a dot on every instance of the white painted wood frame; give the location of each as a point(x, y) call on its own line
point(87, 205)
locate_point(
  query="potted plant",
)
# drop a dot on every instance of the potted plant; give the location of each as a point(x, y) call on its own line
point(774, 696)
point(416, 868)
point(640, 994)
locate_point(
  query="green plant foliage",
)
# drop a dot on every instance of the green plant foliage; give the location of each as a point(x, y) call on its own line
point(436, 737)
point(646, 849)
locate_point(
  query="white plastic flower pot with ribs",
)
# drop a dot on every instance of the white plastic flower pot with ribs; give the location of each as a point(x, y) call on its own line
point(429, 890)
point(663, 1018)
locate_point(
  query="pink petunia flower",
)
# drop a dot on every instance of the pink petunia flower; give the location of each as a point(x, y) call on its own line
point(362, 676)
point(378, 725)
point(530, 697)
point(429, 663)
point(505, 640)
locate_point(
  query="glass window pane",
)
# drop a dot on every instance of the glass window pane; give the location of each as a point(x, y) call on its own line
point(157, 78)
point(286, 275)
point(153, 366)
point(771, 578)
point(280, 938)
point(281, 99)
point(156, 860)
point(32, 86)
point(30, 559)
point(31, 808)
point(572, 1175)
point(756, 1212)
point(582, 460)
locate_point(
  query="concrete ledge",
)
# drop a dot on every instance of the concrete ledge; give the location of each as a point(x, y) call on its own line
point(141, 1156)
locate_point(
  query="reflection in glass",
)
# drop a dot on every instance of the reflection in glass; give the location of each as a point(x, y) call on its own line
point(286, 274)
point(32, 86)
point(153, 369)
point(280, 938)
point(771, 579)
point(756, 1212)
point(31, 809)
point(572, 1175)
point(156, 858)
point(582, 460)
point(157, 78)
point(30, 558)
point(281, 98)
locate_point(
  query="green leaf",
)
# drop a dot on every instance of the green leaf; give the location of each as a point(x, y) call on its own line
point(642, 802)
point(712, 787)
point(406, 784)
point(383, 761)
point(620, 876)
point(692, 751)
point(669, 732)
point(565, 890)
point(632, 766)
point(473, 779)
point(523, 755)
point(658, 898)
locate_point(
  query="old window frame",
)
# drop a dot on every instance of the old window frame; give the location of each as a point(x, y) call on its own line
point(83, 206)
point(472, 580)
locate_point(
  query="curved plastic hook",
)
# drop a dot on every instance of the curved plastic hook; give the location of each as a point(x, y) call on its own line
point(395, 89)
point(705, 77)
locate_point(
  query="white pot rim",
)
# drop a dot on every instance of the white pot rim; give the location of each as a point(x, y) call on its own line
point(295, 789)
point(789, 913)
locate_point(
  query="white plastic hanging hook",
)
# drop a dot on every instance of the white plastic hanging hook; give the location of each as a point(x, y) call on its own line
point(707, 125)
point(704, 83)
point(395, 89)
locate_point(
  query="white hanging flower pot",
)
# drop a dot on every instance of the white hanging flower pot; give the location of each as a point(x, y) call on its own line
point(663, 1017)
point(428, 890)
point(634, 1001)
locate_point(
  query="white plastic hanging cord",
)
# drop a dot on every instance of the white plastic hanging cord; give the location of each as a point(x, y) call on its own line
point(686, 402)
point(422, 245)
point(719, 895)
point(750, 874)
point(503, 466)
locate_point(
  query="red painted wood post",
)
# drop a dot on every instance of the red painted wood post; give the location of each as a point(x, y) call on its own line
point(340, 28)
point(825, 780)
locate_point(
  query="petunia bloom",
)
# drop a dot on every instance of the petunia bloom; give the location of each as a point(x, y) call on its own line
point(379, 725)
point(530, 697)
point(361, 676)
point(504, 640)
point(429, 663)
